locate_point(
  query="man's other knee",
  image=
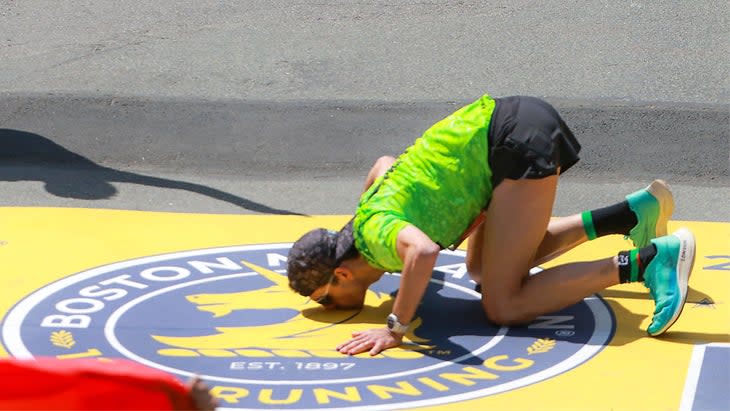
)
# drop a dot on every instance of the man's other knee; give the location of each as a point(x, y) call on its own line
point(506, 311)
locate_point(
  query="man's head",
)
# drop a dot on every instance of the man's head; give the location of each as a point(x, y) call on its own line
point(325, 266)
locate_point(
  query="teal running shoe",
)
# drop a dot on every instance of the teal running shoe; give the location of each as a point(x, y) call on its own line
point(653, 207)
point(667, 275)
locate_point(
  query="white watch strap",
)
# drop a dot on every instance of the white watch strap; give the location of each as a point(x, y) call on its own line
point(395, 325)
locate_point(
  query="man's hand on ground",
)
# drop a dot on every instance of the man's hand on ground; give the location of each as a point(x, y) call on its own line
point(374, 339)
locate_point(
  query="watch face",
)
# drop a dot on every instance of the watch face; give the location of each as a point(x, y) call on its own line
point(391, 322)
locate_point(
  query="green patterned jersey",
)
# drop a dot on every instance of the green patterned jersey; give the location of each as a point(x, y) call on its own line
point(439, 184)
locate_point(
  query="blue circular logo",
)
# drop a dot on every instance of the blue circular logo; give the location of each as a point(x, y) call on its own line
point(228, 315)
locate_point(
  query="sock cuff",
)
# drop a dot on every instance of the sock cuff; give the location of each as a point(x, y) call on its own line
point(629, 266)
point(634, 262)
point(588, 226)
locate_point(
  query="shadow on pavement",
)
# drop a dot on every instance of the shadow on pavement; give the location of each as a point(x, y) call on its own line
point(94, 182)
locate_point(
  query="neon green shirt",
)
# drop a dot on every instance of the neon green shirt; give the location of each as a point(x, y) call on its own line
point(439, 184)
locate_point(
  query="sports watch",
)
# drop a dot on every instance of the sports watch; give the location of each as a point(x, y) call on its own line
point(395, 326)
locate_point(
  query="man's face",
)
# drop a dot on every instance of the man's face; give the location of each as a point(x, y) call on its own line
point(340, 293)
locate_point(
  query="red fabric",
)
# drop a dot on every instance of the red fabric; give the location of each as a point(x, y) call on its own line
point(88, 384)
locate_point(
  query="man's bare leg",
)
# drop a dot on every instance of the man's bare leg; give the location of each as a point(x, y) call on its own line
point(562, 235)
point(516, 221)
point(514, 230)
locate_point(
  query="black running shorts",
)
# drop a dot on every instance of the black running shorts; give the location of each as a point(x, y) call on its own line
point(528, 139)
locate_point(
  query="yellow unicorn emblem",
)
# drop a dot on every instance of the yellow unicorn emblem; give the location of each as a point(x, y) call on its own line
point(313, 331)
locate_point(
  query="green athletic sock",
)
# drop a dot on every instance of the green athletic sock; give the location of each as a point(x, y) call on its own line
point(614, 219)
point(631, 264)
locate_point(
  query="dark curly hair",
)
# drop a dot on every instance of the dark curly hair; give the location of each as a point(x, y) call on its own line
point(313, 258)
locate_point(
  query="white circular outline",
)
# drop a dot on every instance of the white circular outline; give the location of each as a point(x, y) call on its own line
point(11, 336)
point(109, 333)
point(13, 342)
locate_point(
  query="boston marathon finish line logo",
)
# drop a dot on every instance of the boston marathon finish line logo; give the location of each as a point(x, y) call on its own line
point(229, 315)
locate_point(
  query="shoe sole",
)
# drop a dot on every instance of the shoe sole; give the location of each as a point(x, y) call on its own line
point(685, 262)
point(660, 190)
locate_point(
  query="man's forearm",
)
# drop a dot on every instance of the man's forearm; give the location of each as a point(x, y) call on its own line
point(416, 273)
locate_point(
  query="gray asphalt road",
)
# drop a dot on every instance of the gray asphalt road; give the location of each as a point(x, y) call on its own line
point(219, 106)
point(155, 190)
point(310, 157)
point(385, 51)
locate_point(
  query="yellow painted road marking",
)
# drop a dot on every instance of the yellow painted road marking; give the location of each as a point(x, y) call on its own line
point(41, 245)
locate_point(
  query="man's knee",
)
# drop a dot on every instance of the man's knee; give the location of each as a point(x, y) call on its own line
point(474, 268)
point(506, 311)
point(385, 161)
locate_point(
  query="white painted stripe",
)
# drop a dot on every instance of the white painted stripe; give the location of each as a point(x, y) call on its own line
point(693, 377)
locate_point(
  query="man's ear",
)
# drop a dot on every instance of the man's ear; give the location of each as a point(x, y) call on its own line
point(343, 273)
